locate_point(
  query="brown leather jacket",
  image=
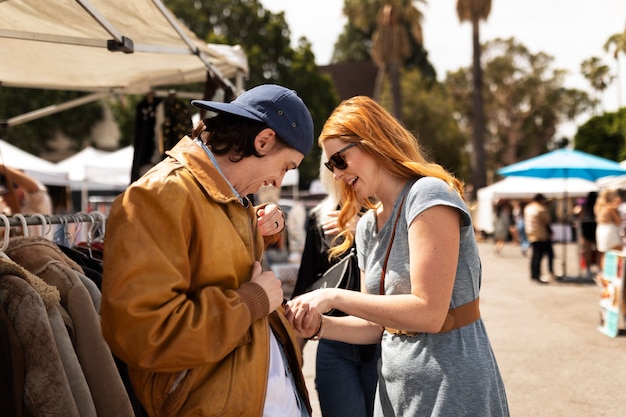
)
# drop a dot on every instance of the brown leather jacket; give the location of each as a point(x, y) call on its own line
point(177, 304)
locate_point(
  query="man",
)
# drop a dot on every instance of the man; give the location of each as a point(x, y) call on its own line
point(537, 223)
point(185, 303)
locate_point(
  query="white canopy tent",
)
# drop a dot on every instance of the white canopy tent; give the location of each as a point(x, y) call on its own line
point(105, 47)
point(76, 167)
point(96, 170)
point(112, 169)
point(38, 168)
point(525, 188)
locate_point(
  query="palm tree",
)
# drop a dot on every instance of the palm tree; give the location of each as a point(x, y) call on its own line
point(393, 24)
point(618, 41)
point(473, 11)
point(598, 75)
point(390, 49)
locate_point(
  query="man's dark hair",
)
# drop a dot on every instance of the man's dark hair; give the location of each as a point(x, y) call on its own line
point(225, 133)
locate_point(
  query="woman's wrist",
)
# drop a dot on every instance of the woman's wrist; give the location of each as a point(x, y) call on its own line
point(320, 330)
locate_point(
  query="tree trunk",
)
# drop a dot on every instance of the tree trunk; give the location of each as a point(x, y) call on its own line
point(396, 92)
point(479, 175)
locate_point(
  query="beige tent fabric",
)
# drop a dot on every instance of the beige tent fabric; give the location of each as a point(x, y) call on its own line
point(75, 56)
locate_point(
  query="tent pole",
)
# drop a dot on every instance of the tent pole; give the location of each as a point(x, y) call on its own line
point(564, 220)
point(193, 49)
point(84, 196)
point(54, 108)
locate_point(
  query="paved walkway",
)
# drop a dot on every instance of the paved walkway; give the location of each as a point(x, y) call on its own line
point(553, 359)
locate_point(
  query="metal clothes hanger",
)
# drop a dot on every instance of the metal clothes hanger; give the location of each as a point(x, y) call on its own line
point(22, 219)
point(44, 223)
point(7, 235)
point(98, 227)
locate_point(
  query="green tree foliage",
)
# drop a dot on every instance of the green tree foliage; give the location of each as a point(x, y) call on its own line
point(355, 42)
point(264, 36)
point(604, 136)
point(34, 136)
point(525, 101)
point(123, 108)
point(353, 45)
point(428, 112)
point(598, 74)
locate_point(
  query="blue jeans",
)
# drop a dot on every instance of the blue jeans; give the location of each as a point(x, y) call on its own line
point(345, 378)
point(521, 231)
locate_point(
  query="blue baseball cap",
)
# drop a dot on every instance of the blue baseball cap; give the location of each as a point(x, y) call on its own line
point(278, 107)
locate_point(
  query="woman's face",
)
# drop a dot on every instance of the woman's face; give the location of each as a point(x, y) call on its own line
point(360, 172)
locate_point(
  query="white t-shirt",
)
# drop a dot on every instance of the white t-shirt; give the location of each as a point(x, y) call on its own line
point(280, 397)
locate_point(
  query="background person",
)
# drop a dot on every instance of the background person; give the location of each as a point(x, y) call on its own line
point(609, 223)
point(185, 303)
point(345, 373)
point(502, 222)
point(429, 365)
point(586, 221)
point(537, 222)
point(518, 216)
point(24, 194)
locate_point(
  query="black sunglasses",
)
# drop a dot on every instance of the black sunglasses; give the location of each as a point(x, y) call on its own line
point(337, 160)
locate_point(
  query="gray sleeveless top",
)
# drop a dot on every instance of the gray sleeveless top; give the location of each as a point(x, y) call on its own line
point(446, 374)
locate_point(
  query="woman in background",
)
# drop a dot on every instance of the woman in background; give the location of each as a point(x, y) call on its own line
point(345, 373)
point(502, 222)
point(586, 220)
point(609, 222)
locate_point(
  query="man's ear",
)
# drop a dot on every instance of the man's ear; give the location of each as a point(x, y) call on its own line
point(264, 141)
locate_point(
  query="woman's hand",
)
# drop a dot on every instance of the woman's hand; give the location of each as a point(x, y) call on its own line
point(331, 224)
point(303, 311)
point(270, 219)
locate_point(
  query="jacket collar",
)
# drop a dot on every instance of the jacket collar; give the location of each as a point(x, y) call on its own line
point(194, 158)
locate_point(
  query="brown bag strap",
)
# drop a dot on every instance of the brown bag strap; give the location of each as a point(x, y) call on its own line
point(455, 319)
point(461, 316)
point(393, 234)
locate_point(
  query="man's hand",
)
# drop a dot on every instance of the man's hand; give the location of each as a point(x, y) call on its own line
point(271, 220)
point(270, 284)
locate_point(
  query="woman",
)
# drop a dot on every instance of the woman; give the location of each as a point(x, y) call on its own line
point(345, 374)
point(608, 223)
point(502, 222)
point(586, 228)
point(429, 364)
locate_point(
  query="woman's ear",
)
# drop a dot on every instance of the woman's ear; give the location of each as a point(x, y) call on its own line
point(264, 141)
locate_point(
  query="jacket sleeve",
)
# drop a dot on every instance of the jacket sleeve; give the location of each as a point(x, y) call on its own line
point(173, 299)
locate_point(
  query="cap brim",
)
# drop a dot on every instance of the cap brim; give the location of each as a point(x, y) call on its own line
point(229, 108)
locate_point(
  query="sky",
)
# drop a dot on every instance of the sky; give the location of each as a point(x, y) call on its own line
point(568, 30)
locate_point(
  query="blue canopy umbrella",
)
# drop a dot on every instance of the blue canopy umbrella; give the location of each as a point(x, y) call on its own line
point(564, 163)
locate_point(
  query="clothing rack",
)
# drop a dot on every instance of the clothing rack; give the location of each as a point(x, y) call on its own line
point(22, 221)
point(38, 219)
